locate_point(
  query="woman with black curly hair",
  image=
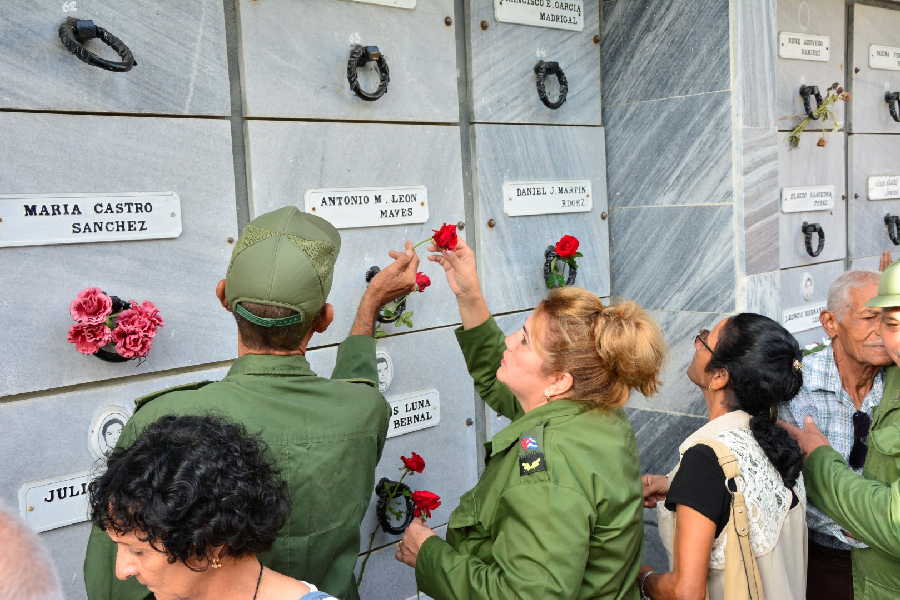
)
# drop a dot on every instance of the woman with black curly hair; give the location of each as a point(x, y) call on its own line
point(747, 367)
point(189, 505)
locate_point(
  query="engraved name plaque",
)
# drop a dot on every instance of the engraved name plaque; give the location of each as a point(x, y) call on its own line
point(42, 219)
point(804, 46)
point(556, 14)
point(346, 208)
point(884, 187)
point(54, 503)
point(884, 57)
point(413, 411)
point(802, 318)
point(525, 198)
point(803, 199)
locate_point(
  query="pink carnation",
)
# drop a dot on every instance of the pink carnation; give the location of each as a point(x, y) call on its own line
point(144, 317)
point(91, 306)
point(131, 341)
point(88, 338)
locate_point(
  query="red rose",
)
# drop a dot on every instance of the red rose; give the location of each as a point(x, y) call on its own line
point(89, 338)
point(132, 342)
point(422, 281)
point(445, 237)
point(415, 463)
point(566, 246)
point(425, 502)
point(91, 306)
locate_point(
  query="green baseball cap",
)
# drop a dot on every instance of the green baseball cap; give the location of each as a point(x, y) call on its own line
point(888, 288)
point(283, 258)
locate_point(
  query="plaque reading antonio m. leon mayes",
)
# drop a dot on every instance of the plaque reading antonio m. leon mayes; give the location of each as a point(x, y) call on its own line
point(346, 208)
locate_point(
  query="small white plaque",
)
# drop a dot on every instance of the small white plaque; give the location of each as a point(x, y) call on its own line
point(414, 411)
point(346, 208)
point(52, 503)
point(805, 199)
point(394, 3)
point(884, 187)
point(556, 14)
point(523, 198)
point(884, 57)
point(43, 219)
point(804, 46)
point(802, 318)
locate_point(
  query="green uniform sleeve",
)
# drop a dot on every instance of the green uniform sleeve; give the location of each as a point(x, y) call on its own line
point(356, 360)
point(540, 549)
point(100, 558)
point(868, 509)
point(482, 347)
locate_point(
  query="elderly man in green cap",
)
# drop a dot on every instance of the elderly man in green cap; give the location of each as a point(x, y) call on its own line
point(326, 435)
point(867, 506)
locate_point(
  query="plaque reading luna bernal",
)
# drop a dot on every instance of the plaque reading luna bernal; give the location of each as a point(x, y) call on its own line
point(44, 219)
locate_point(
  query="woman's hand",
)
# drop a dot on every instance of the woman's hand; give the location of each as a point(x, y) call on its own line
point(654, 489)
point(462, 277)
point(415, 536)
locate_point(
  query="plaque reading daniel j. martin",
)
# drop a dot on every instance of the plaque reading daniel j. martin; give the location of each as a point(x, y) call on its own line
point(557, 14)
point(43, 219)
point(369, 207)
point(524, 198)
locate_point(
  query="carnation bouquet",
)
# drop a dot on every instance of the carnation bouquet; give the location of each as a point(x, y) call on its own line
point(110, 328)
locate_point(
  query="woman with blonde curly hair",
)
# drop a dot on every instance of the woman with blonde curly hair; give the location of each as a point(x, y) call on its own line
point(557, 512)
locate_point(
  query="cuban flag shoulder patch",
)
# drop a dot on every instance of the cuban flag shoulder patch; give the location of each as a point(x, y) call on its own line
point(529, 443)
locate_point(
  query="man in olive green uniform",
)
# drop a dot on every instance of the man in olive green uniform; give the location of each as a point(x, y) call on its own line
point(326, 435)
point(868, 506)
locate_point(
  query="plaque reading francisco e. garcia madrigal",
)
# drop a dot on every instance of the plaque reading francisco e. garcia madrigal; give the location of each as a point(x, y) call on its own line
point(43, 219)
point(369, 207)
point(556, 14)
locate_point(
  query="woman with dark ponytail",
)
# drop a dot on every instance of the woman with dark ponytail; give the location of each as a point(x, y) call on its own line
point(747, 367)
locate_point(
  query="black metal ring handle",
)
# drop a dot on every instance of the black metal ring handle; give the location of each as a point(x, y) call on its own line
point(542, 69)
point(808, 230)
point(805, 92)
point(893, 101)
point(401, 306)
point(893, 227)
point(360, 56)
point(549, 255)
point(382, 491)
point(73, 33)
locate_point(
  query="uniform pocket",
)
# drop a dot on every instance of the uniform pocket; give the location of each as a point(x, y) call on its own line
point(886, 440)
point(878, 591)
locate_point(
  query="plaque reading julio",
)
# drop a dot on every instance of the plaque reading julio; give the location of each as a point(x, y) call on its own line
point(523, 198)
point(369, 207)
point(557, 14)
point(42, 219)
point(884, 187)
point(804, 46)
point(414, 411)
point(802, 318)
point(884, 57)
point(803, 199)
point(53, 503)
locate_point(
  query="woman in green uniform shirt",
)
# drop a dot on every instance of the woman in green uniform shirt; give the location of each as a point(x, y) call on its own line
point(557, 513)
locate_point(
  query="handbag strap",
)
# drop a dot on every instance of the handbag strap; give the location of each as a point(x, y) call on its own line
point(738, 524)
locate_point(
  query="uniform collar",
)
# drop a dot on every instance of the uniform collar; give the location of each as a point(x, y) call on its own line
point(271, 364)
point(510, 434)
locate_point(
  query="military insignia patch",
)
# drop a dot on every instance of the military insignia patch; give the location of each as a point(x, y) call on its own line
point(529, 443)
point(532, 462)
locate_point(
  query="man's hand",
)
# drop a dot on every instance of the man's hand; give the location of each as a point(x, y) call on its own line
point(392, 282)
point(459, 267)
point(415, 536)
point(809, 438)
point(655, 489)
point(885, 261)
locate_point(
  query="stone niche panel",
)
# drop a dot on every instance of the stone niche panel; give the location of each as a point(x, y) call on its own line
point(811, 171)
point(511, 252)
point(287, 159)
point(876, 53)
point(448, 447)
point(48, 437)
point(804, 292)
point(388, 578)
point(179, 48)
point(813, 22)
point(503, 55)
point(874, 173)
point(294, 60)
point(57, 154)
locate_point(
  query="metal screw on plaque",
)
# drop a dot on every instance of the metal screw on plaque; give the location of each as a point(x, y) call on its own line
point(230, 240)
point(30, 509)
point(448, 21)
point(491, 222)
point(856, 69)
point(604, 215)
point(596, 39)
point(484, 25)
point(856, 196)
point(461, 225)
point(469, 422)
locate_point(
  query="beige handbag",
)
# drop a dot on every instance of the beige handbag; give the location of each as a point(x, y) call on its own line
point(742, 580)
